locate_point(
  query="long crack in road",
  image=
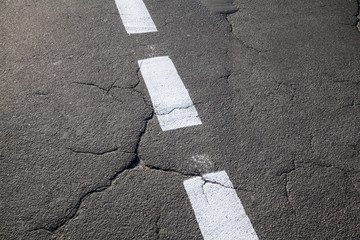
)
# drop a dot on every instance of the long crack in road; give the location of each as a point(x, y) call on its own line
point(84, 155)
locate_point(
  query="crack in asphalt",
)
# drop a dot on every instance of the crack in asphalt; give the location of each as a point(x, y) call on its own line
point(207, 180)
point(135, 163)
point(105, 90)
point(203, 191)
point(287, 173)
point(113, 150)
point(91, 85)
point(158, 228)
point(293, 94)
point(311, 143)
point(352, 182)
point(167, 170)
point(134, 87)
point(150, 105)
point(176, 108)
point(346, 172)
point(73, 212)
point(350, 105)
point(242, 42)
point(356, 148)
point(347, 81)
point(287, 191)
point(211, 181)
point(289, 86)
point(357, 24)
point(110, 87)
point(288, 195)
point(132, 164)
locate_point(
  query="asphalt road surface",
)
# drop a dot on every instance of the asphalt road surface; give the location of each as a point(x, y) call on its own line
point(276, 85)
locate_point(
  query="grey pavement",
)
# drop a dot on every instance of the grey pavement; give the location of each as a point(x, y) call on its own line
point(276, 85)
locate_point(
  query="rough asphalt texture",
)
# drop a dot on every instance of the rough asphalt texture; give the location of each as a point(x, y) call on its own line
point(276, 84)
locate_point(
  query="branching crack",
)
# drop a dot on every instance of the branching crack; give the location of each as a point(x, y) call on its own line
point(52, 228)
point(105, 90)
point(286, 172)
point(211, 181)
point(74, 211)
point(110, 87)
point(133, 164)
point(206, 180)
point(346, 172)
point(294, 167)
point(203, 190)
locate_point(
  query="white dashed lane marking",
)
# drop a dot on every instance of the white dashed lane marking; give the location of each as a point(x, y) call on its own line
point(172, 103)
point(217, 208)
point(135, 16)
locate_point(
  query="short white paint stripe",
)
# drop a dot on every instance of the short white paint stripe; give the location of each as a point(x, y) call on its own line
point(135, 16)
point(172, 103)
point(218, 209)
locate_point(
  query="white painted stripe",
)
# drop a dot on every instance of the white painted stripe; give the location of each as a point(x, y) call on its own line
point(135, 16)
point(218, 209)
point(172, 103)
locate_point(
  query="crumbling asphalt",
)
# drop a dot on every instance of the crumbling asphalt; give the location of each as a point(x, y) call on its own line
point(276, 85)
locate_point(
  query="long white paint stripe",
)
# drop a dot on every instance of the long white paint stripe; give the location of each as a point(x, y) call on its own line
point(217, 208)
point(172, 103)
point(135, 16)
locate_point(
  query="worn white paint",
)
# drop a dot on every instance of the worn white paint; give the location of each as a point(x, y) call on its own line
point(135, 16)
point(217, 208)
point(172, 103)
